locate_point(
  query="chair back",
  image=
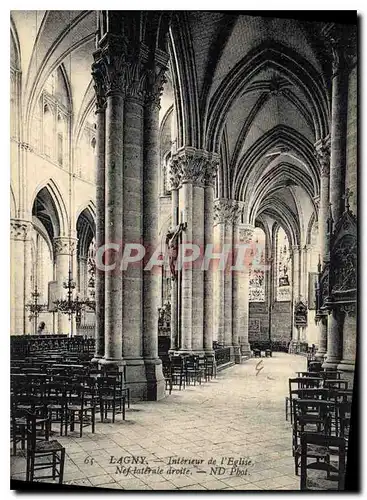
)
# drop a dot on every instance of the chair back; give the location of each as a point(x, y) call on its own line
point(321, 440)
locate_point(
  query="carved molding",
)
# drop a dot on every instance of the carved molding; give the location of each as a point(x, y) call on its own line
point(19, 229)
point(349, 309)
point(64, 245)
point(227, 211)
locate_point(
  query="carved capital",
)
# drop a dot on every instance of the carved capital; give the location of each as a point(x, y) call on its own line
point(64, 245)
point(245, 233)
point(322, 153)
point(19, 229)
point(156, 78)
point(211, 170)
point(120, 67)
point(227, 211)
point(195, 166)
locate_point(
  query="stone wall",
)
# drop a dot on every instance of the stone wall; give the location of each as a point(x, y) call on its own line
point(281, 326)
point(259, 321)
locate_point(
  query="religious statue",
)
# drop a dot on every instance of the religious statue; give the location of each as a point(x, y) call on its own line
point(172, 243)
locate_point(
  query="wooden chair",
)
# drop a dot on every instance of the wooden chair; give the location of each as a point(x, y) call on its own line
point(336, 384)
point(78, 411)
point(342, 417)
point(257, 353)
point(193, 371)
point(110, 397)
point(167, 373)
point(55, 394)
point(305, 420)
point(299, 383)
point(178, 371)
point(210, 366)
point(113, 370)
point(43, 455)
point(333, 474)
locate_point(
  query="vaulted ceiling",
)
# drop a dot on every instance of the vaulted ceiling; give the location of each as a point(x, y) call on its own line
point(254, 89)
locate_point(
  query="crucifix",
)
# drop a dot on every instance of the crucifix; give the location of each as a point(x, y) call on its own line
point(173, 240)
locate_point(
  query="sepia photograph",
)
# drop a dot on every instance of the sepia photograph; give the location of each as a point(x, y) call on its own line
point(183, 250)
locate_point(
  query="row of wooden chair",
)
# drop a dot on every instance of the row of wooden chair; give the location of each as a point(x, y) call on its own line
point(320, 412)
point(183, 370)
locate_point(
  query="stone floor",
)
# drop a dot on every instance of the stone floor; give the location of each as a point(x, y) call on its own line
point(239, 416)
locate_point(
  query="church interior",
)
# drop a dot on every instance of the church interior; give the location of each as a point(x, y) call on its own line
point(138, 137)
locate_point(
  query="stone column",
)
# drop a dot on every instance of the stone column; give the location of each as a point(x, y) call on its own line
point(334, 336)
point(19, 240)
point(338, 124)
point(132, 277)
point(191, 163)
point(128, 69)
point(109, 66)
point(349, 347)
point(226, 212)
point(242, 239)
point(153, 364)
point(338, 42)
point(321, 351)
point(211, 172)
point(218, 275)
point(296, 287)
point(175, 312)
point(64, 249)
point(323, 154)
point(100, 214)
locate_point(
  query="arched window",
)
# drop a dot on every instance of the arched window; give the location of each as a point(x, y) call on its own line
point(48, 131)
point(257, 267)
point(283, 267)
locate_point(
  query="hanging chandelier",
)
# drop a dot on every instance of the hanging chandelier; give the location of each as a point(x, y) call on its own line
point(35, 308)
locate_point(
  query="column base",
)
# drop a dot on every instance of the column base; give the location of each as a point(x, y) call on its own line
point(331, 363)
point(320, 356)
point(245, 350)
point(112, 361)
point(347, 368)
point(156, 384)
point(183, 351)
point(96, 359)
point(346, 365)
point(237, 357)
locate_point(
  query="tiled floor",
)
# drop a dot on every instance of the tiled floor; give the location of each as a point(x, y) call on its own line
point(238, 415)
